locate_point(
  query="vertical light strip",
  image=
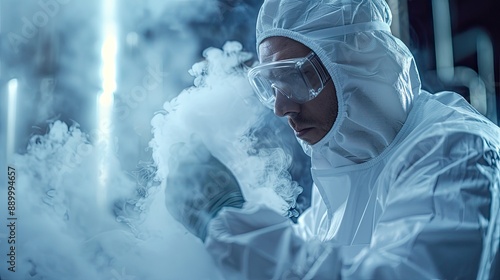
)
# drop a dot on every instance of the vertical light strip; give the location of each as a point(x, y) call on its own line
point(443, 39)
point(106, 97)
point(400, 24)
point(486, 69)
point(11, 118)
point(395, 26)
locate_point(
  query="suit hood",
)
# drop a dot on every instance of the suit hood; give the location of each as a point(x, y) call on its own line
point(374, 73)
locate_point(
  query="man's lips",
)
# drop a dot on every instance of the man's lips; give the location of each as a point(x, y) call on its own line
point(302, 131)
point(299, 131)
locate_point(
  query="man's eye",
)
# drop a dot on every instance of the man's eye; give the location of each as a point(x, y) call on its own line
point(309, 74)
point(282, 74)
point(295, 74)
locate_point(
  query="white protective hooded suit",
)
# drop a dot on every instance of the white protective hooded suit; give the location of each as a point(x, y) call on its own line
point(406, 182)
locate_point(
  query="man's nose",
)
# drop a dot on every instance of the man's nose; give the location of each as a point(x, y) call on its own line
point(284, 106)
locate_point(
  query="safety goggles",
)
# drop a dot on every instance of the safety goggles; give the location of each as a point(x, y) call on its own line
point(299, 79)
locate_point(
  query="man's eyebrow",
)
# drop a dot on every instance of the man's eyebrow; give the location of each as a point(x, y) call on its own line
point(285, 50)
point(266, 58)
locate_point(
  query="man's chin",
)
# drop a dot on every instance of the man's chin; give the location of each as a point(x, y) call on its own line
point(310, 136)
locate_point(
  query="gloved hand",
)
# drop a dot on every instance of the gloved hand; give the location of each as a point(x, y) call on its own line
point(198, 187)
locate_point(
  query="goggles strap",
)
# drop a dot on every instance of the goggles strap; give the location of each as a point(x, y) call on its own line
point(325, 77)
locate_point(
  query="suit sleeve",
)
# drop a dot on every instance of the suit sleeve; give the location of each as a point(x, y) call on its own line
point(440, 208)
point(440, 213)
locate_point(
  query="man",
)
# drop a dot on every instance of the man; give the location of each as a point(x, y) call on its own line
point(406, 184)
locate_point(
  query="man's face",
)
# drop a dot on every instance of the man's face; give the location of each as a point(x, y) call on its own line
point(312, 120)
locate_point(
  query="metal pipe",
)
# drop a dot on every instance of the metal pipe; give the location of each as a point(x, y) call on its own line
point(449, 50)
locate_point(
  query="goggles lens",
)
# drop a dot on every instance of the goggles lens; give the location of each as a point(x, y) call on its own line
point(299, 79)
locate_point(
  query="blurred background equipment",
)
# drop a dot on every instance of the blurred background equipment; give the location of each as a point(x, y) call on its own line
point(456, 44)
